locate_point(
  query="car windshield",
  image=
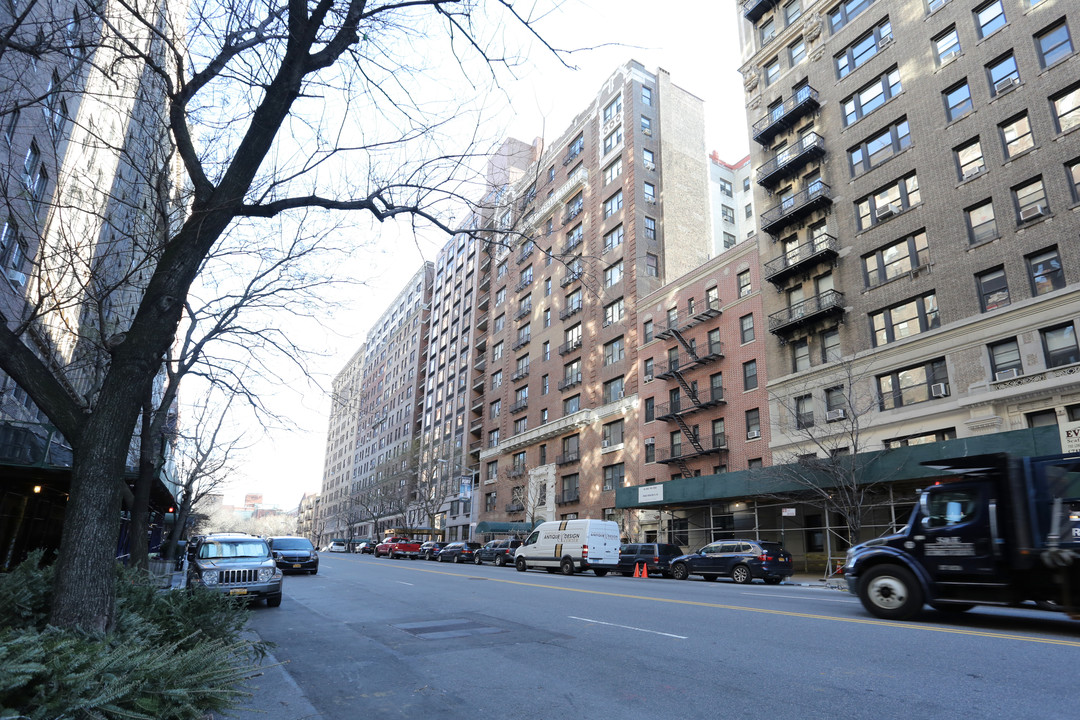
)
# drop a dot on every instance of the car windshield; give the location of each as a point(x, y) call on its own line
point(233, 549)
point(291, 544)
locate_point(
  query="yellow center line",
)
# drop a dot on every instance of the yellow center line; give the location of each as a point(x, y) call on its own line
point(763, 611)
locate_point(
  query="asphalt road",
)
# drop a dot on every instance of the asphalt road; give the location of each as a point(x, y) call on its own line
point(380, 638)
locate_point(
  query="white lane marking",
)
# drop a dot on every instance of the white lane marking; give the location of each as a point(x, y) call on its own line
point(800, 597)
point(629, 627)
point(404, 583)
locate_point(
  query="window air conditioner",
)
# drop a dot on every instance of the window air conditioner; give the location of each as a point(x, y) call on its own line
point(939, 390)
point(885, 42)
point(650, 165)
point(16, 278)
point(834, 415)
point(952, 54)
point(1004, 86)
point(753, 434)
point(1006, 374)
point(647, 131)
point(605, 443)
point(972, 172)
point(1032, 212)
point(648, 378)
point(888, 211)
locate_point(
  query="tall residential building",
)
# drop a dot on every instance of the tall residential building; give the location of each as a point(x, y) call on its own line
point(90, 193)
point(732, 200)
point(374, 419)
point(615, 205)
point(918, 173)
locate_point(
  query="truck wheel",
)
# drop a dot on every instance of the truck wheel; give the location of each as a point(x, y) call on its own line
point(520, 565)
point(952, 607)
point(500, 560)
point(741, 574)
point(890, 592)
point(600, 573)
point(567, 567)
point(679, 571)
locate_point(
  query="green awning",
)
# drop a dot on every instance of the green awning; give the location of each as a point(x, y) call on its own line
point(503, 528)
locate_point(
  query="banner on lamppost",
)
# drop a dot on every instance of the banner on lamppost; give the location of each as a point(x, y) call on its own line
point(466, 487)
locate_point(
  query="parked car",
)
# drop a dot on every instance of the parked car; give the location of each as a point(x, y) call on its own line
point(367, 546)
point(656, 557)
point(236, 564)
point(294, 553)
point(430, 549)
point(458, 552)
point(398, 546)
point(500, 552)
point(740, 560)
point(571, 546)
point(338, 546)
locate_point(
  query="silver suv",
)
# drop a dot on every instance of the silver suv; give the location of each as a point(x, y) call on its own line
point(236, 564)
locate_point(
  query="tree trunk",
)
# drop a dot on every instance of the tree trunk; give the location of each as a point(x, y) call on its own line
point(149, 465)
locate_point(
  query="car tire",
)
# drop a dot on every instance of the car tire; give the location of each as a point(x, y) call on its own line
point(521, 565)
point(679, 571)
point(500, 560)
point(315, 571)
point(273, 600)
point(457, 559)
point(567, 567)
point(890, 592)
point(442, 558)
point(741, 574)
point(477, 560)
point(600, 573)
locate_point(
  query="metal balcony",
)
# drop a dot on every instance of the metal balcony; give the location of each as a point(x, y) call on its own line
point(482, 321)
point(526, 253)
point(569, 346)
point(570, 246)
point(515, 507)
point(713, 445)
point(666, 328)
point(568, 458)
point(522, 313)
point(520, 374)
point(821, 249)
point(573, 309)
point(485, 281)
point(826, 304)
point(516, 471)
point(804, 101)
point(754, 10)
point(567, 497)
point(799, 205)
point(791, 159)
point(521, 342)
point(525, 282)
point(519, 405)
point(572, 276)
point(570, 381)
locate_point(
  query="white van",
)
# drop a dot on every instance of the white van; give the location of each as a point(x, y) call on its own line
point(571, 545)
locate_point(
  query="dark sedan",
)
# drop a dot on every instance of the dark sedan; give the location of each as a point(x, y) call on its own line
point(431, 549)
point(458, 552)
point(740, 560)
point(500, 552)
point(295, 554)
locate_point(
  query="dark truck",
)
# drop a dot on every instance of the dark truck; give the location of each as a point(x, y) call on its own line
point(996, 530)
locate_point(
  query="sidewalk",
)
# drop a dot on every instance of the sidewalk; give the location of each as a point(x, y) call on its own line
point(274, 695)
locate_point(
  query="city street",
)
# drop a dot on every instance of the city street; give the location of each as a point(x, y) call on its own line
point(380, 638)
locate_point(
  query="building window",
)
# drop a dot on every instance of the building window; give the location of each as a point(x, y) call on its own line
point(792, 12)
point(652, 265)
point(725, 188)
point(729, 240)
point(767, 30)
point(650, 228)
point(547, 317)
point(646, 125)
point(520, 425)
point(613, 239)
point(650, 192)
point(727, 213)
point(800, 355)
point(743, 279)
point(489, 502)
point(872, 96)
point(947, 46)
point(880, 147)
point(969, 159)
point(1002, 74)
point(612, 171)
point(613, 476)
point(830, 345)
point(753, 424)
point(613, 313)
point(989, 18)
point(993, 288)
point(1066, 107)
point(544, 385)
point(1059, 345)
point(796, 52)
point(575, 148)
point(749, 211)
point(922, 438)
point(1045, 272)
point(614, 351)
point(493, 438)
point(749, 375)
point(613, 274)
point(772, 71)
point(1053, 43)
point(647, 330)
point(1072, 175)
point(896, 259)
point(613, 390)
point(1005, 357)
point(613, 140)
point(887, 202)
point(913, 385)
point(10, 124)
point(646, 95)
point(863, 49)
point(981, 223)
point(746, 328)
point(612, 433)
point(613, 204)
point(571, 404)
point(613, 110)
point(845, 12)
point(650, 450)
point(904, 320)
point(804, 412)
point(650, 409)
point(1030, 201)
point(957, 101)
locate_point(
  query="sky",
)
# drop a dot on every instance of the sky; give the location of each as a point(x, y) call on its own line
point(696, 41)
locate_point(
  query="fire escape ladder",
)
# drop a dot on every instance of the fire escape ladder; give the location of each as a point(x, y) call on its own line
point(684, 467)
point(686, 346)
point(687, 388)
point(689, 434)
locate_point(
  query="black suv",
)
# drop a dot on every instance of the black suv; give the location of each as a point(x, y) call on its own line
point(430, 549)
point(500, 552)
point(656, 557)
point(458, 552)
point(236, 564)
point(741, 560)
point(294, 553)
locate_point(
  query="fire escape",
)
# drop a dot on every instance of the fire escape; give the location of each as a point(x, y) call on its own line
point(677, 368)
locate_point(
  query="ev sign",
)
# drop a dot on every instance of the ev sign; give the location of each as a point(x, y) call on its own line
point(1070, 436)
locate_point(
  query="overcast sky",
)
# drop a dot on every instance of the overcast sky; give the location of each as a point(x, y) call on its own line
point(696, 41)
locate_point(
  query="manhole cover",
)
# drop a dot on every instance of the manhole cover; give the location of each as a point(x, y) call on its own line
point(451, 628)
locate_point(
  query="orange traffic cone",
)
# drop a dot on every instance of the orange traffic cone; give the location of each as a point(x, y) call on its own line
point(637, 569)
point(644, 570)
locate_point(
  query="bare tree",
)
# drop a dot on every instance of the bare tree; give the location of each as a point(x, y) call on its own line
point(251, 136)
point(830, 448)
